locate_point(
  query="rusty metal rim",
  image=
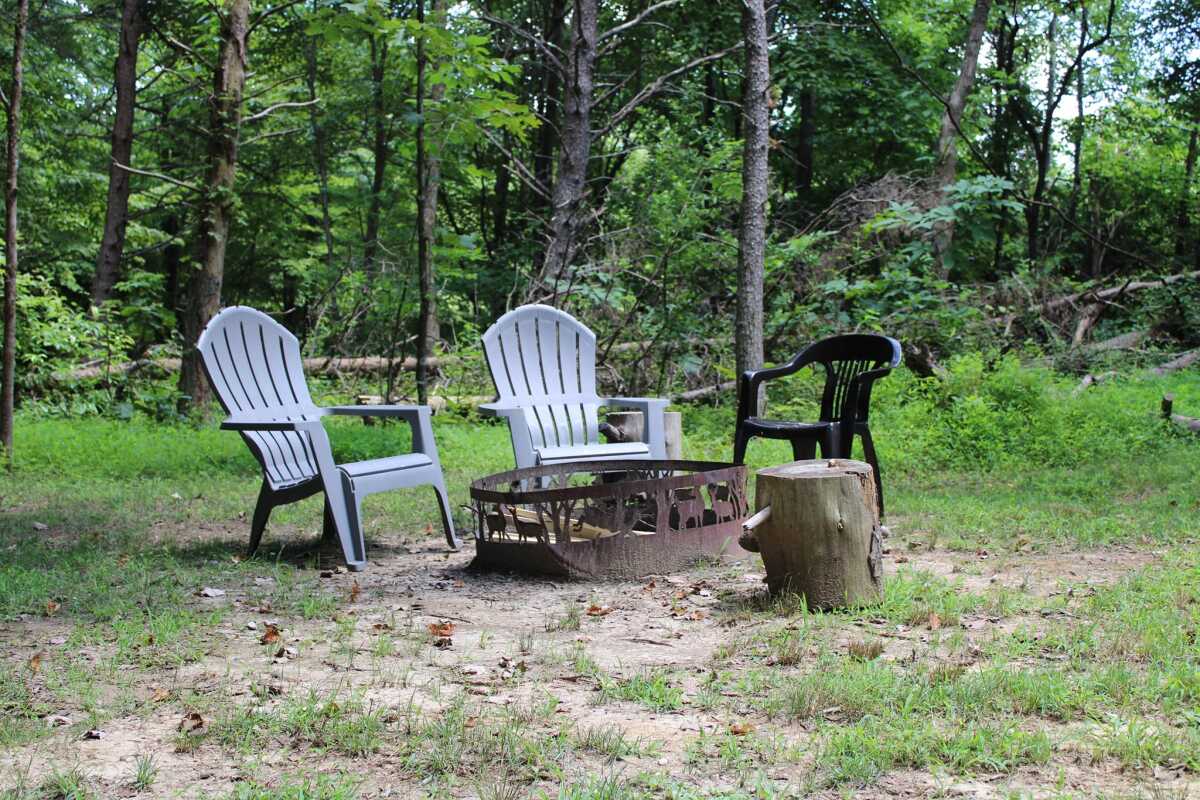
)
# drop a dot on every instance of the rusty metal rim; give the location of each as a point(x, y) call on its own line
point(699, 473)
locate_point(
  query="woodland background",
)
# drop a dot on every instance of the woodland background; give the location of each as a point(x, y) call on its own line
point(386, 178)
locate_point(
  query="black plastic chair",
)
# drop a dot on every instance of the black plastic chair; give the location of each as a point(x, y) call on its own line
point(853, 363)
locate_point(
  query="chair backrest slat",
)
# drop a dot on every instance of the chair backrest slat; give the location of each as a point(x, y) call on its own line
point(544, 360)
point(253, 364)
point(844, 359)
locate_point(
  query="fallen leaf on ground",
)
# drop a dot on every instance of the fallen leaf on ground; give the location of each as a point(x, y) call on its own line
point(441, 629)
point(380, 627)
point(935, 621)
point(271, 635)
point(599, 611)
point(57, 720)
point(470, 722)
point(355, 591)
point(191, 722)
point(650, 584)
point(741, 728)
point(160, 695)
point(52, 607)
point(35, 662)
point(209, 591)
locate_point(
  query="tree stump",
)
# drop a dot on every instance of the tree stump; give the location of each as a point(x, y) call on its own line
point(822, 538)
point(627, 426)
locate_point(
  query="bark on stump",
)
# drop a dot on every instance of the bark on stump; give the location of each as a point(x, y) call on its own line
point(628, 426)
point(823, 538)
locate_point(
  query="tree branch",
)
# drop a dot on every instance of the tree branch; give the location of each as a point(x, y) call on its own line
point(633, 22)
point(270, 109)
point(158, 175)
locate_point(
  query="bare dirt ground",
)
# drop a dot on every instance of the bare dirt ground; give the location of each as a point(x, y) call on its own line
point(501, 643)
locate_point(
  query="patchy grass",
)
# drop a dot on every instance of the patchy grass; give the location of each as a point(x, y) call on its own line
point(1040, 625)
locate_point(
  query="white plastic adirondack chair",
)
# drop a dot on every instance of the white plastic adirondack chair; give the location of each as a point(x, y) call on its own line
point(253, 364)
point(543, 363)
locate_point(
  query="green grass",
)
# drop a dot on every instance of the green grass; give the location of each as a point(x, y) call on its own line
point(111, 528)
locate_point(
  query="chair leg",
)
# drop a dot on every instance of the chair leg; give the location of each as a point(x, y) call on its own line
point(740, 440)
point(439, 489)
point(354, 547)
point(868, 445)
point(804, 448)
point(262, 512)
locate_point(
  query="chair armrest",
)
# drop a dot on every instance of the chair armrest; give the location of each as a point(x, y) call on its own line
point(249, 422)
point(499, 409)
point(653, 425)
point(405, 411)
point(643, 404)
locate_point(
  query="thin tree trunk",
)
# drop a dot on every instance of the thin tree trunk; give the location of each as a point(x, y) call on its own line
point(428, 176)
point(320, 156)
point(13, 152)
point(752, 234)
point(574, 151)
point(1183, 215)
point(112, 245)
point(551, 86)
point(225, 114)
point(1077, 133)
point(805, 134)
point(379, 52)
point(947, 148)
point(1042, 151)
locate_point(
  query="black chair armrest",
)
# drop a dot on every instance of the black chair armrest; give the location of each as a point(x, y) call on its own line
point(752, 378)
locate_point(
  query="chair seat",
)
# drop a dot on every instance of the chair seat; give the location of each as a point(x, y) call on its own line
point(378, 466)
point(593, 452)
point(769, 427)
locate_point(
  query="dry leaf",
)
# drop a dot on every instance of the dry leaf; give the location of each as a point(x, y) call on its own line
point(470, 722)
point(191, 722)
point(458, 584)
point(441, 629)
point(428, 528)
point(380, 627)
point(865, 651)
point(599, 611)
point(35, 662)
point(901, 559)
point(271, 636)
point(698, 614)
point(355, 591)
point(265, 607)
point(741, 728)
point(52, 607)
point(160, 695)
point(650, 585)
point(935, 621)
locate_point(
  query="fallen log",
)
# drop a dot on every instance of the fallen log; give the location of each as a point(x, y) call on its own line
point(1091, 380)
point(325, 365)
point(1179, 362)
point(1125, 341)
point(1187, 423)
point(704, 392)
point(1093, 294)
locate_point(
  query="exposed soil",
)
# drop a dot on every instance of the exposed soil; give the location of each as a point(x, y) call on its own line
point(508, 648)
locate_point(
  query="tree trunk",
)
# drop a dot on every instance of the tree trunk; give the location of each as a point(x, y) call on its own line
point(13, 152)
point(428, 176)
point(947, 148)
point(567, 214)
point(1077, 134)
point(112, 245)
point(752, 234)
point(379, 52)
point(1043, 151)
point(1183, 215)
point(225, 114)
point(546, 142)
point(805, 134)
point(822, 539)
point(320, 156)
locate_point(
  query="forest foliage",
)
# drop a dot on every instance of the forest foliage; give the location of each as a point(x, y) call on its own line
point(1076, 152)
